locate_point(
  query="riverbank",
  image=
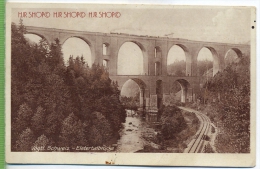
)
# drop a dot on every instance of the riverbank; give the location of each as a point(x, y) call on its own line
point(137, 136)
point(140, 136)
point(155, 142)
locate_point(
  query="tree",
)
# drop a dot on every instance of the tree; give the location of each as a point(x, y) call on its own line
point(178, 68)
point(114, 112)
point(72, 132)
point(23, 119)
point(53, 126)
point(55, 56)
point(38, 120)
point(25, 140)
point(232, 88)
point(204, 66)
point(44, 93)
point(40, 144)
point(100, 131)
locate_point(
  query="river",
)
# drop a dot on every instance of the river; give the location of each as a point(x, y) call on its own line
point(131, 135)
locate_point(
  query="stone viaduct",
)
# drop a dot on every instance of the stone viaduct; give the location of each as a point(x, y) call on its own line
point(155, 82)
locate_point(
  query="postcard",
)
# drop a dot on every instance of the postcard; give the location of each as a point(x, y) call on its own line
point(130, 84)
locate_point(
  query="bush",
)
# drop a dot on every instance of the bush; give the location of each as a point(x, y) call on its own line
point(213, 129)
point(172, 122)
point(208, 149)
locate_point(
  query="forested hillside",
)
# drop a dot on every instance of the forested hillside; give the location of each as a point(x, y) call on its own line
point(229, 106)
point(59, 106)
point(178, 68)
point(131, 103)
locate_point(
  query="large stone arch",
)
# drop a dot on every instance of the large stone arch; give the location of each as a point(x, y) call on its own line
point(38, 34)
point(75, 36)
point(142, 48)
point(186, 93)
point(215, 55)
point(140, 83)
point(187, 56)
point(91, 46)
point(48, 33)
point(42, 34)
point(144, 90)
point(236, 50)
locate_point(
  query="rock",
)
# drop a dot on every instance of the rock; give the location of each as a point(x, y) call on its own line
point(130, 122)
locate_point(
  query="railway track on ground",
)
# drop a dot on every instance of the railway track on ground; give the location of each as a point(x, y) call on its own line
point(197, 144)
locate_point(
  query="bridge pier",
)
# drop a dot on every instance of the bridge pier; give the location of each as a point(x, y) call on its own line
point(153, 103)
point(141, 98)
point(183, 97)
point(151, 110)
point(147, 99)
point(190, 95)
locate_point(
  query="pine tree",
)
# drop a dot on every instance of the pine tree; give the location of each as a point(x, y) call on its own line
point(25, 140)
point(72, 132)
point(41, 143)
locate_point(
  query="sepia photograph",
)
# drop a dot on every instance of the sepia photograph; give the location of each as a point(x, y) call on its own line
point(130, 81)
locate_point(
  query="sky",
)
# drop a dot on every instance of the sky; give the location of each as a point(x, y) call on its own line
point(130, 59)
point(130, 88)
point(229, 25)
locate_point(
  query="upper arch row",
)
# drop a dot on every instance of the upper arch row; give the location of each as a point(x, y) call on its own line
point(149, 47)
point(187, 48)
point(215, 49)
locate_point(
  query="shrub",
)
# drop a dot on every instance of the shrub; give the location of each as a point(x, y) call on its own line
point(172, 122)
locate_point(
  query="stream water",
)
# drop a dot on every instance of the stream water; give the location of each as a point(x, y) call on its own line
point(131, 135)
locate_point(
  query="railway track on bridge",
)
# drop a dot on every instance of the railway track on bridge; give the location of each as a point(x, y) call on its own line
point(197, 144)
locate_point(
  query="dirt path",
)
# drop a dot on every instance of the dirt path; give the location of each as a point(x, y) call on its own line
point(213, 138)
